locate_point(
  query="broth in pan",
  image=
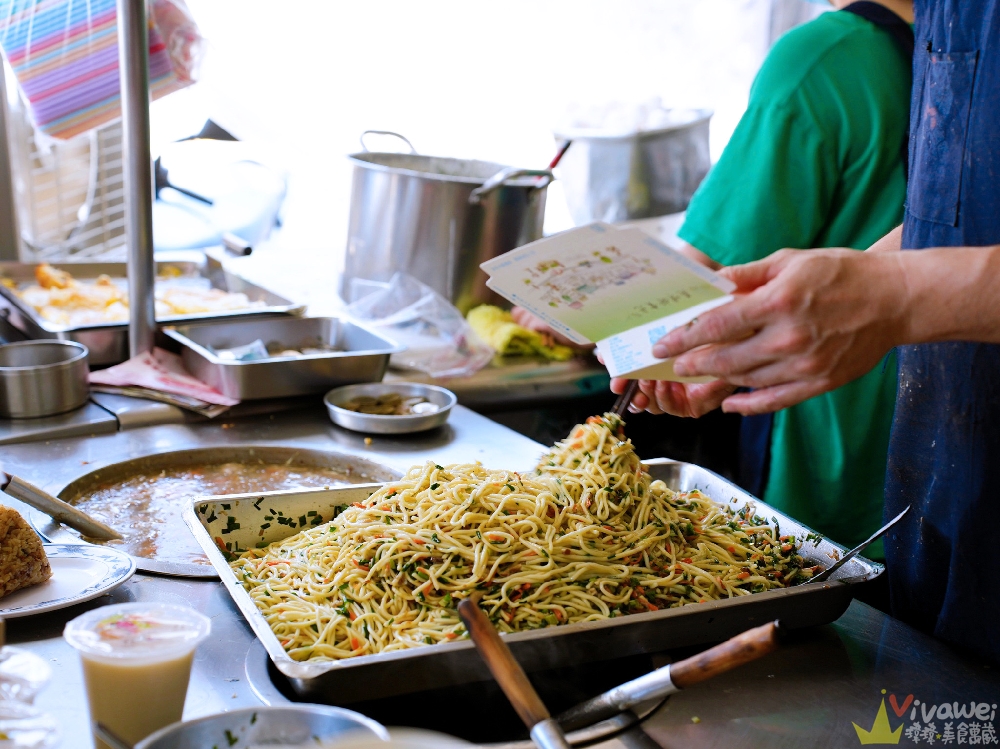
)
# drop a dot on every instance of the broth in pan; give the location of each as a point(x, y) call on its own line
point(146, 508)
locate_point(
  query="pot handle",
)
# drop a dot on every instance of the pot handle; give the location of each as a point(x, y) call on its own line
point(506, 175)
point(385, 132)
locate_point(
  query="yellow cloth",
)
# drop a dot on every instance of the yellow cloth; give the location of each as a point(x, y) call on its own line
point(497, 328)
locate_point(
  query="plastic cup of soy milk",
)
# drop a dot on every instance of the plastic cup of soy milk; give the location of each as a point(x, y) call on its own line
point(136, 664)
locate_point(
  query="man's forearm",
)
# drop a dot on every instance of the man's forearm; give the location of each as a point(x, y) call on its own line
point(950, 294)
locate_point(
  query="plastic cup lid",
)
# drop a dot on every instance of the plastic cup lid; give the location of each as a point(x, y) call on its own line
point(137, 631)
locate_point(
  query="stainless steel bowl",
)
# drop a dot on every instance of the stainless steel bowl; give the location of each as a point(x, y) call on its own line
point(299, 725)
point(42, 378)
point(379, 424)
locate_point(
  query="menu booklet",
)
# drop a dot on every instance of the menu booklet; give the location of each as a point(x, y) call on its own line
point(619, 288)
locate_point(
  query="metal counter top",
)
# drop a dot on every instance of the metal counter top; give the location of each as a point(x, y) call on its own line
point(809, 694)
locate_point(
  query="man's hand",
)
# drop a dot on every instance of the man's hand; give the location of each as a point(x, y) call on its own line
point(675, 398)
point(803, 323)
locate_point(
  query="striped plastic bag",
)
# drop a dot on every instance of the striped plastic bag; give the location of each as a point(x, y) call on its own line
point(64, 55)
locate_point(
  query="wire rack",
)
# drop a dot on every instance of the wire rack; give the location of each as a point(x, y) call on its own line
point(68, 194)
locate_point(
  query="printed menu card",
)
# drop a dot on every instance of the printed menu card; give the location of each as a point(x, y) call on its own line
point(619, 288)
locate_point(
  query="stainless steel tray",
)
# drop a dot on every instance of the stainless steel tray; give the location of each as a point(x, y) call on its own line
point(351, 466)
point(362, 356)
point(406, 671)
point(108, 342)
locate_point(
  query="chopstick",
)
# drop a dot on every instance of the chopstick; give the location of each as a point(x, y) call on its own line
point(622, 404)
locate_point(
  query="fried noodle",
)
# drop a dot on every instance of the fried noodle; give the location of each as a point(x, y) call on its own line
point(588, 536)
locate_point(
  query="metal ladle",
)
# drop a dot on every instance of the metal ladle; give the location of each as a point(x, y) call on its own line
point(545, 732)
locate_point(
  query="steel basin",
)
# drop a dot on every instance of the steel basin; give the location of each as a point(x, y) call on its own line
point(297, 725)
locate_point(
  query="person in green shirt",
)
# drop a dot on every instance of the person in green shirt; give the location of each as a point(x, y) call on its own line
point(816, 161)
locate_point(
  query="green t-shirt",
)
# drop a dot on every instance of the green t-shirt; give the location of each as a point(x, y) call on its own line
point(816, 162)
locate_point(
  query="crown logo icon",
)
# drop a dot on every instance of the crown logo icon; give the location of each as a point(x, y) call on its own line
point(881, 732)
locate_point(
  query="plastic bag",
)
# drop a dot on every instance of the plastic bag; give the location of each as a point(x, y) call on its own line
point(23, 726)
point(181, 38)
point(64, 55)
point(438, 340)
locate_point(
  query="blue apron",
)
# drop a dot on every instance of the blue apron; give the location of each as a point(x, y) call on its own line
point(944, 454)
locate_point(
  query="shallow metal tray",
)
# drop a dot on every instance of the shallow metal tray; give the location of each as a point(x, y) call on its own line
point(353, 467)
point(362, 355)
point(108, 342)
point(406, 671)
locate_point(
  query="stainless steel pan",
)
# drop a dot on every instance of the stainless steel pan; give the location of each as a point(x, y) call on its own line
point(406, 671)
point(108, 342)
point(360, 355)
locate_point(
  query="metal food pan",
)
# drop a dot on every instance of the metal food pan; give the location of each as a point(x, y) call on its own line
point(362, 355)
point(108, 342)
point(446, 664)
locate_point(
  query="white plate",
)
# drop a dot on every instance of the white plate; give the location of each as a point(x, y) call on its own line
point(79, 573)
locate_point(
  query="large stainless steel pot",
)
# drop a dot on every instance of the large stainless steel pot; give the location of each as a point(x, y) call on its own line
point(621, 177)
point(437, 219)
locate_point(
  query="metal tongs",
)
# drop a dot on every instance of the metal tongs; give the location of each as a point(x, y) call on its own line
point(547, 733)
